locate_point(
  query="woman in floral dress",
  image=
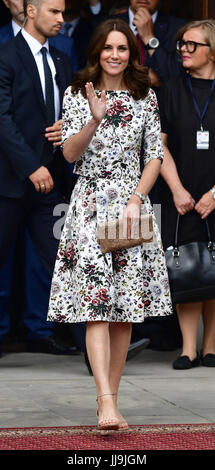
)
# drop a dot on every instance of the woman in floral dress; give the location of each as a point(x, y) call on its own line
point(107, 113)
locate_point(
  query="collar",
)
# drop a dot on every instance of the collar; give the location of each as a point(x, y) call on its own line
point(15, 27)
point(72, 25)
point(131, 17)
point(34, 45)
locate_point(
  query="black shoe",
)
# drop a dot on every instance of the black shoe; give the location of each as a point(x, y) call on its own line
point(50, 346)
point(208, 360)
point(184, 362)
point(136, 347)
point(87, 362)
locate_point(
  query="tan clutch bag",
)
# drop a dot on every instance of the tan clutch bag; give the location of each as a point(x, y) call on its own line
point(112, 235)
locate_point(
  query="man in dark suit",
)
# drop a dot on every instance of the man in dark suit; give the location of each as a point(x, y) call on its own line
point(11, 29)
point(36, 277)
point(156, 33)
point(30, 156)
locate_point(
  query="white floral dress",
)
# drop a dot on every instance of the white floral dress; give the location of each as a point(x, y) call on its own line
point(127, 285)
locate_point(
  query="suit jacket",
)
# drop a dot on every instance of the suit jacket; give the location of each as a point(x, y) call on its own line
point(165, 60)
point(81, 37)
point(23, 113)
point(62, 43)
point(95, 20)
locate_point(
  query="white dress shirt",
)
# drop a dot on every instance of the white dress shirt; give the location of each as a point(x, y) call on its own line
point(131, 17)
point(16, 28)
point(35, 47)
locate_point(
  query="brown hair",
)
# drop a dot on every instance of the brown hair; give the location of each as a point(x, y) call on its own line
point(37, 4)
point(207, 26)
point(136, 76)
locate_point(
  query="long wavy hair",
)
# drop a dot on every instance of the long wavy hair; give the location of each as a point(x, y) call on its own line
point(135, 76)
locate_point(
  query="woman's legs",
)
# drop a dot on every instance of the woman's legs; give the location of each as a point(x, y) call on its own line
point(188, 317)
point(120, 336)
point(208, 315)
point(107, 347)
point(98, 350)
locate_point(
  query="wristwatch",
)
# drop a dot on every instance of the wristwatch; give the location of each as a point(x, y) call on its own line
point(152, 44)
point(141, 196)
point(212, 190)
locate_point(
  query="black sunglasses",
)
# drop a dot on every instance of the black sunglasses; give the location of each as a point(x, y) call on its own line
point(190, 45)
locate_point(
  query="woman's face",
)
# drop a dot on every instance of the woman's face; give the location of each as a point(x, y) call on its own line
point(202, 56)
point(115, 55)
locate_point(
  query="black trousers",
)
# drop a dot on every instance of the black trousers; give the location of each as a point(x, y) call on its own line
point(35, 210)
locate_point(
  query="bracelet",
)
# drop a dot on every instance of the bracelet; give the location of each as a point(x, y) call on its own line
point(141, 196)
point(212, 190)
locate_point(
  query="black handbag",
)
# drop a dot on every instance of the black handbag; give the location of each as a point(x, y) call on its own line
point(191, 269)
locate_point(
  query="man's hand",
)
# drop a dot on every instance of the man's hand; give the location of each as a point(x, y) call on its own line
point(54, 133)
point(144, 24)
point(42, 180)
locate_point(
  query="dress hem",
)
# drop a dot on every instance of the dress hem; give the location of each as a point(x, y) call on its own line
point(114, 321)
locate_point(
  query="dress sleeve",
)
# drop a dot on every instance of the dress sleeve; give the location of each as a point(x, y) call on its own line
point(152, 142)
point(72, 115)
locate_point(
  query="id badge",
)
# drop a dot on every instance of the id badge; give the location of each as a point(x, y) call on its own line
point(202, 140)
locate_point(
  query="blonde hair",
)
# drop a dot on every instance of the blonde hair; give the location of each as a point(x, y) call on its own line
point(207, 26)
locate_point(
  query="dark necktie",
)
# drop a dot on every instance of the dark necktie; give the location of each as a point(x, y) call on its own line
point(49, 89)
point(142, 50)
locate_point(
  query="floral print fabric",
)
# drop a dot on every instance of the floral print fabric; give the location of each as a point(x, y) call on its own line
point(127, 285)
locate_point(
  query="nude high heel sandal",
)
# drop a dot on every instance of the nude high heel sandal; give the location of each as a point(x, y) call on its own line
point(122, 422)
point(109, 423)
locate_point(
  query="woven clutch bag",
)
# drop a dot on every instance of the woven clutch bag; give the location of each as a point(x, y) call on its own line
point(112, 236)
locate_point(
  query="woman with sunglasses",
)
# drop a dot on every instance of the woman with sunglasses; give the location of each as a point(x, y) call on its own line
point(187, 110)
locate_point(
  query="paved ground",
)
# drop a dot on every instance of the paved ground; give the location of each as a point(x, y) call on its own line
point(49, 390)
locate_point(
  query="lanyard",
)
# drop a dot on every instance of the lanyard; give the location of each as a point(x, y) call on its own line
point(201, 115)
